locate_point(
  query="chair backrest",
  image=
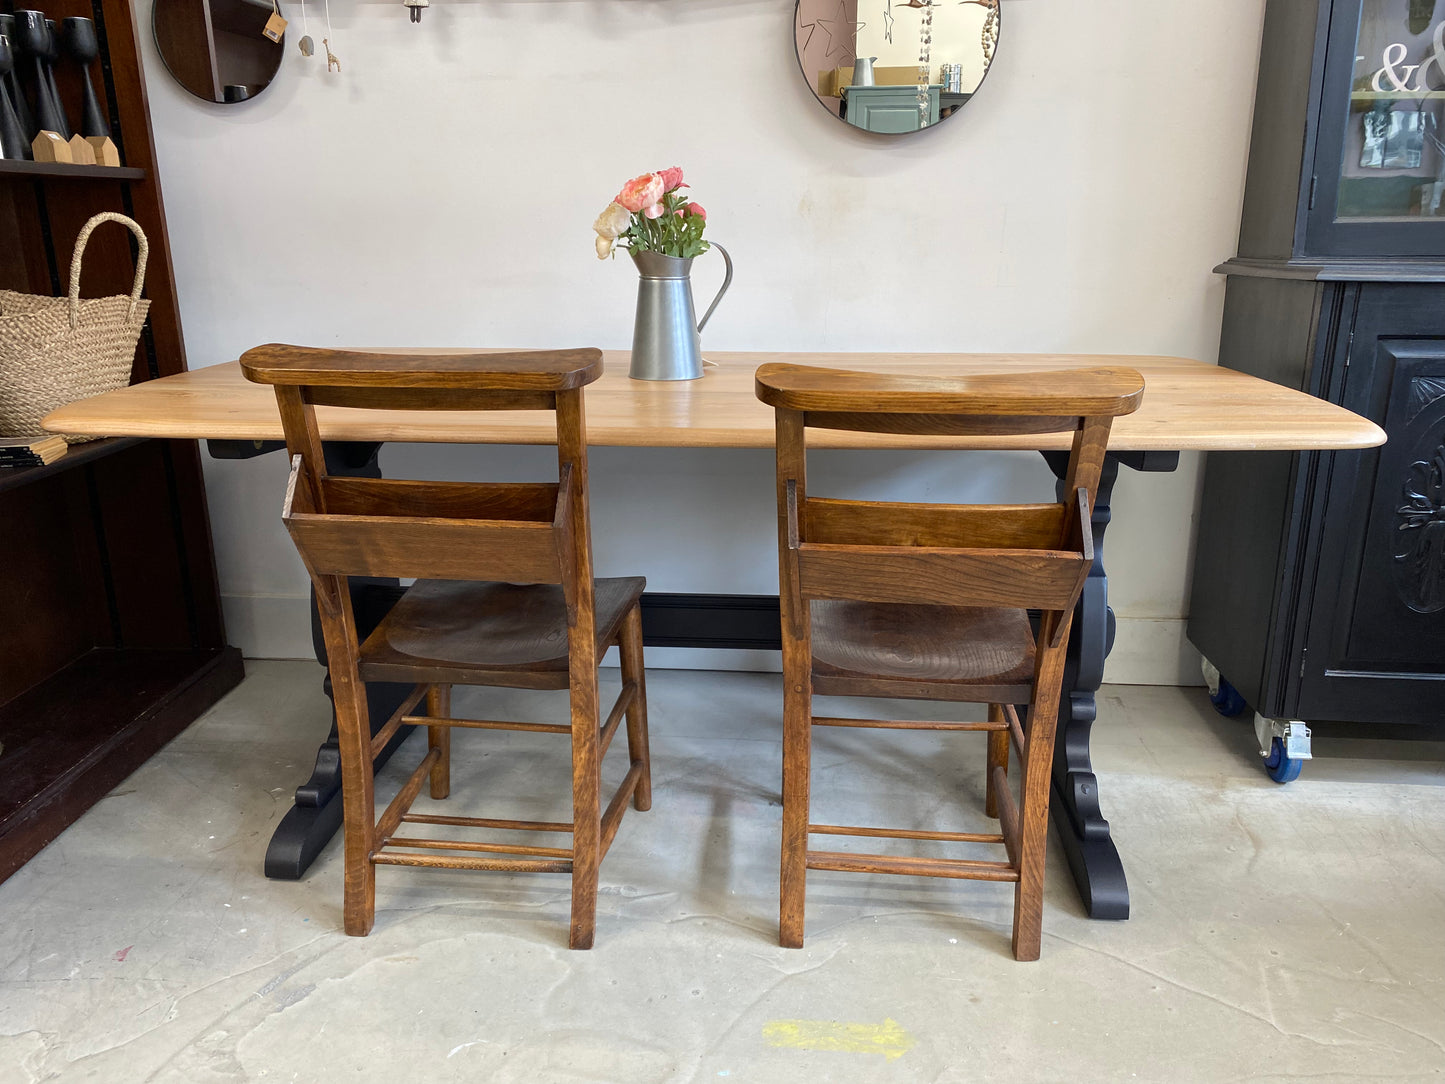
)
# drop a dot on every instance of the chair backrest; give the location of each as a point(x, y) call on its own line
point(1033, 555)
point(514, 532)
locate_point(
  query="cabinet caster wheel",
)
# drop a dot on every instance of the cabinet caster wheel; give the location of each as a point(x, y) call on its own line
point(1224, 696)
point(1281, 768)
point(1227, 701)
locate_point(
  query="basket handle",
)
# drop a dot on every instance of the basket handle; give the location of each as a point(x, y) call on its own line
point(140, 263)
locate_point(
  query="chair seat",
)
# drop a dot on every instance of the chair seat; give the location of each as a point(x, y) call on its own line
point(486, 633)
point(973, 654)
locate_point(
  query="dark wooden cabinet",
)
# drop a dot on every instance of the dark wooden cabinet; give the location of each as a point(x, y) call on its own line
point(1319, 580)
point(111, 639)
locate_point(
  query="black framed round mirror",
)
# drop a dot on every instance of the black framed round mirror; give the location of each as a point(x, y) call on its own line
point(895, 66)
point(219, 50)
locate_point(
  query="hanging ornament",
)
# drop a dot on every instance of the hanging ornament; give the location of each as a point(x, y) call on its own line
point(275, 25)
point(306, 45)
point(332, 64)
point(925, 62)
point(415, 6)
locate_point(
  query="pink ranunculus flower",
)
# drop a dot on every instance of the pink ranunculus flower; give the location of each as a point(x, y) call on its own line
point(671, 178)
point(697, 209)
point(641, 192)
point(655, 211)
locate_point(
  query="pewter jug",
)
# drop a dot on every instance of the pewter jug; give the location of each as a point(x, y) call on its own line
point(863, 71)
point(667, 337)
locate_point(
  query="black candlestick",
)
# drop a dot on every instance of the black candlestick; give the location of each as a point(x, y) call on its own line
point(12, 138)
point(79, 41)
point(52, 54)
point(30, 38)
point(11, 80)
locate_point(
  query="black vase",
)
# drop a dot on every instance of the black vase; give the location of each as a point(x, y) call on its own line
point(79, 41)
point(32, 39)
point(13, 143)
point(11, 80)
point(52, 54)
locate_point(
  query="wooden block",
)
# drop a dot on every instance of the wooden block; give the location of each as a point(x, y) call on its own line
point(103, 147)
point(49, 147)
point(81, 152)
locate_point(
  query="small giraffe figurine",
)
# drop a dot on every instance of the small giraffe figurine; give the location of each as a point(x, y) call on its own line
point(332, 64)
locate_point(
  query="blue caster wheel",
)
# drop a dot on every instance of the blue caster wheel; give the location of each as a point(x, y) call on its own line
point(1282, 769)
point(1226, 699)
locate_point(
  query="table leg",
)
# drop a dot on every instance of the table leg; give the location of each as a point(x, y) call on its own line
point(1093, 858)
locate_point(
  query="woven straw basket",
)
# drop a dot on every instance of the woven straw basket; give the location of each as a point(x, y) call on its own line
point(55, 350)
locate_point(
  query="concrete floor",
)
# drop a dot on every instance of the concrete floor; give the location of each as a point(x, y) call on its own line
point(1277, 932)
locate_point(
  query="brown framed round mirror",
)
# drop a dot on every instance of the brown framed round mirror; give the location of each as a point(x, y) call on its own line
point(218, 49)
point(895, 66)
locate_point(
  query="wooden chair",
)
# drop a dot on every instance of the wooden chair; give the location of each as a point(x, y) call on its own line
point(504, 597)
point(930, 601)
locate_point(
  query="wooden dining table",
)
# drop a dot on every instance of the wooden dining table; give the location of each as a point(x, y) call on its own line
point(1188, 406)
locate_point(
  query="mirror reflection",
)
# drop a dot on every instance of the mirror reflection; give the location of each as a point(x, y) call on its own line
point(1394, 157)
point(218, 49)
point(895, 66)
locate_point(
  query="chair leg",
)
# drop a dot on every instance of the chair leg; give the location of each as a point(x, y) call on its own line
point(353, 730)
point(998, 743)
point(630, 647)
point(439, 706)
point(797, 755)
point(586, 815)
point(1034, 804)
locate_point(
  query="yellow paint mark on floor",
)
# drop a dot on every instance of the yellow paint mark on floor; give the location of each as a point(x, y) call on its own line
point(887, 1038)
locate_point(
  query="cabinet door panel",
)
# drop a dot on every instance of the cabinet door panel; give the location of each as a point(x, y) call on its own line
point(1376, 637)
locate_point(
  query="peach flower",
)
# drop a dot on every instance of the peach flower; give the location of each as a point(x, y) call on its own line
point(671, 178)
point(697, 209)
point(612, 223)
point(641, 192)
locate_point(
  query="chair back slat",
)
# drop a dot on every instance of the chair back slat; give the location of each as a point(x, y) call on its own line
point(421, 549)
point(451, 500)
point(936, 425)
point(978, 526)
point(530, 370)
point(1104, 392)
point(374, 398)
point(1036, 579)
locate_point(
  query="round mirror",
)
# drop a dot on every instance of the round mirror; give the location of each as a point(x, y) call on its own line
point(219, 50)
point(895, 66)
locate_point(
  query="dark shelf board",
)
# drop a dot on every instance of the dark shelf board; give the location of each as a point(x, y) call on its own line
point(62, 171)
point(77, 456)
point(69, 740)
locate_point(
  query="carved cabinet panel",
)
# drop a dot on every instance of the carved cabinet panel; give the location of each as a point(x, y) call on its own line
point(1375, 645)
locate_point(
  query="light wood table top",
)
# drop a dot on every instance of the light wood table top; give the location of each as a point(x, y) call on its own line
point(1188, 405)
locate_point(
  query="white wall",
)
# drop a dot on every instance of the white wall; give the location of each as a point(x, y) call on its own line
point(439, 191)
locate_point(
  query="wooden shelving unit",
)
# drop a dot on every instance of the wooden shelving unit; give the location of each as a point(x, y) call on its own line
point(59, 171)
point(111, 639)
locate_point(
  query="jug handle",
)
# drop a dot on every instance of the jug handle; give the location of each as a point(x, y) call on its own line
point(727, 281)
